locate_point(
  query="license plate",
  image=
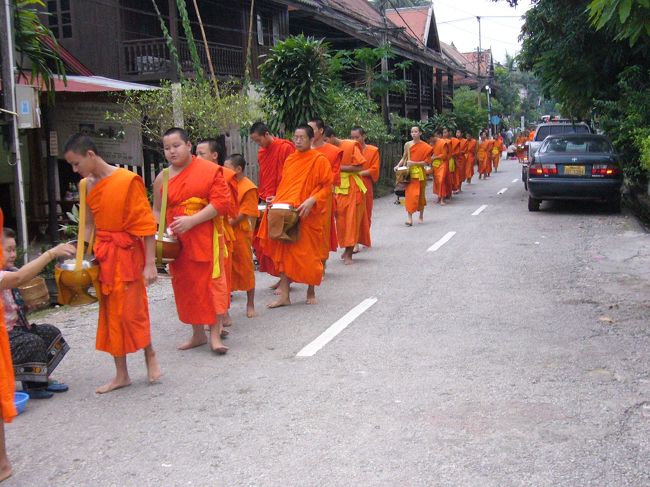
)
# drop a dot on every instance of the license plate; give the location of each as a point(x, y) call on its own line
point(574, 170)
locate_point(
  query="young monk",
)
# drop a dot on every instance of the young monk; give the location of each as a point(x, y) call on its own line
point(124, 247)
point(496, 152)
point(349, 196)
point(483, 155)
point(243, 271)
point(440, 167)
point(334, 155)
point(271, 155)
point(208, 149)
point(11, 280)
point(520, 144)
point(369, 175)
point(456, 155)
point(470, 157)
point(417, 154)
point(306, 182)
point(198, 195)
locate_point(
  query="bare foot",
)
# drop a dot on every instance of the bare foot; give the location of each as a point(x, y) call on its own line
point(113, 385)
point(347, 260)
point(227, 320)
point(421, 221)
point(277, 292)
point(215, 343)
point(282, 301)
point(408, 224)
point(154, 372)
point(224, 333)
point(275, 286)
point(195, 341)
point(5, 471)
point(250, 312)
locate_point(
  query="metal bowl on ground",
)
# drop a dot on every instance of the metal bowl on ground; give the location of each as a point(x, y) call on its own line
point(171, 247)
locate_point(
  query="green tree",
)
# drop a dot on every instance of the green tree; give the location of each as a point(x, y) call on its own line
point(34, 56)
point(348, 107)
point(630, 19)
point(469, 116)
point(295, 80)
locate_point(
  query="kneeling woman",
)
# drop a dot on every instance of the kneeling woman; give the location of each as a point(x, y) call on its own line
point(36, 350)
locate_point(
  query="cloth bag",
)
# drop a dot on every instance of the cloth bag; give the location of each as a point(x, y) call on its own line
point(282, 220)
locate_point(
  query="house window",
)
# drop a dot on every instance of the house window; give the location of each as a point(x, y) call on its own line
point(268, 30)
point(59, 18)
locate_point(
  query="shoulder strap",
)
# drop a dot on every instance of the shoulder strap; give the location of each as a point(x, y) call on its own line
point(163, 214)
point(81, 231)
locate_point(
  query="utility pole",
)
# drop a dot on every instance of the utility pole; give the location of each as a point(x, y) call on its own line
point(385, 107)
point(9, 88)
point(478, 63)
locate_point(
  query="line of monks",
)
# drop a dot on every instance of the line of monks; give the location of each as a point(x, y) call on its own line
point(450, 160)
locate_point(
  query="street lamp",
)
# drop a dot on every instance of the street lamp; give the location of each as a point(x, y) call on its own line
point(489, 107)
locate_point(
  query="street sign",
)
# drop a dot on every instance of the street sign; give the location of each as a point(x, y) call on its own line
point(495, 120)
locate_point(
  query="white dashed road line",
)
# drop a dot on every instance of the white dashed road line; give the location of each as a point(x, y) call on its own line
point(479, 210)
point(503, 190)
point(329, 334)
point(515, 180)
point(448, 236)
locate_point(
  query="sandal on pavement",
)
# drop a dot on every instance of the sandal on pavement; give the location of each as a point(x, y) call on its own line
point(39, 393)
point(56, 386)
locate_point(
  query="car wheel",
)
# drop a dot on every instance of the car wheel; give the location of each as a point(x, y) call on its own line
point(533, 204)
point(615, 205)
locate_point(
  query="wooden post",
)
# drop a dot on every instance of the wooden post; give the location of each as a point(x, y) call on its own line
point(207, 51)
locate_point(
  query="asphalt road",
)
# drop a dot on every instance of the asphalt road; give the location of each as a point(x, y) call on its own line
point(515, 354)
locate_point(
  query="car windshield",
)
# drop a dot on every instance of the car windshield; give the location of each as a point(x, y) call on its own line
point(572, 145)
point(559, 129)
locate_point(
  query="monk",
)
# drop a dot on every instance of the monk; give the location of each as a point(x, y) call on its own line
point(124, 247)
point(417, 154)
point(470, 156)
point(483, 155)
point(497, 150)
point(208, 149)
point(334, 154)
point(440, 167)
point(369, 175)
point(198, 195)
point(451, 163)
point(458, 175)
point(11, 280)
point(306, 182)
point(520, 144)
point(243, 271)
point(349, 196)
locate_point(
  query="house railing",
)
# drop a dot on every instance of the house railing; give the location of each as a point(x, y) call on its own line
point(152, 57)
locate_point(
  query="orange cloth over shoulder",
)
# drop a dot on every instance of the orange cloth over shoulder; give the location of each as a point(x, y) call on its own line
point(415, 195)
point(7, 407)
point(200, 183)
point(470, 158)
point(122, 217)
point(305, 174)
point(350, 207)
point(271, 161)
point(330, 242)
point(441, 183)
point(223, 297)
point(484, 163)
point(243, 270)
point(371, 154)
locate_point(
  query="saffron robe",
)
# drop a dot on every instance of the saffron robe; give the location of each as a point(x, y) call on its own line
point(122, 217)
point(7, 407)
point(351, 200)
point(441, 182)
point(497, 149)
point(330, 242)
point(458, 174)
point(271, 161)
point(243, 270)
point(227, 240)
point(521, 142)
point(198, 274)
point(415, 195)
point(371, 154)
point(470, 158)
point(305, 174)
point(484, 164)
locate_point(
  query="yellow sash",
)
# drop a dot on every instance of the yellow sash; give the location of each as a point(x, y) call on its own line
point(437, 162)
point(417, 172)
point(194, 205)
point(344, 187)
point(452, 165)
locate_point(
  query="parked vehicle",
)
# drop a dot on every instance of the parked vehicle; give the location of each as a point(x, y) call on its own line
point(575, 167)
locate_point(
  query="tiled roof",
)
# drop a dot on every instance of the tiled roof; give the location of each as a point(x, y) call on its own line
point(414, 20)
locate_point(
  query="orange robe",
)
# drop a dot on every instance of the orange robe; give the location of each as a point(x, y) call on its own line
point(415, 196)
point(521, 142)
point(531, 135)
point(484, 164)
point(441, 185)
point(305, 174)
point(457, 175)
point(198, 289)
point(122, 218)
point(350, 201)
point(7, 407)
point(470, 159)
point(227, 236)
point(371, 154)
point(330, 242)
point(271, 161)
point(496, 152)
point(243, 271)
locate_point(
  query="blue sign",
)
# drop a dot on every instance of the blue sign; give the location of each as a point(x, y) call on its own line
point(24, 107)
point(495, 120)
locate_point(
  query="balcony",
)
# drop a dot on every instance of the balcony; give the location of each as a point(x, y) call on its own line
point(149, 59)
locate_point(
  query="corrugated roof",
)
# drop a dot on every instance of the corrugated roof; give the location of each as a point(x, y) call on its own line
point(88, 84)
